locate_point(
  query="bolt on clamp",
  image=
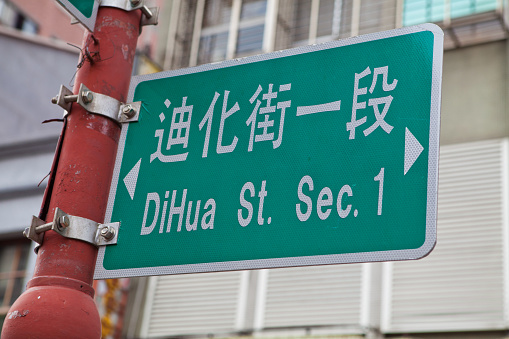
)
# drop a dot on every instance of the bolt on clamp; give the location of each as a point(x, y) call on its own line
point(74, 227)
point(97, 103)
point(150, 14)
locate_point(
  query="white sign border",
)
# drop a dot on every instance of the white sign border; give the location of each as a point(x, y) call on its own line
point(89, 23)
point(392, 255)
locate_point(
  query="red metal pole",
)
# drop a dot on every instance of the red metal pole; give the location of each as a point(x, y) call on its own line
point(58, 302)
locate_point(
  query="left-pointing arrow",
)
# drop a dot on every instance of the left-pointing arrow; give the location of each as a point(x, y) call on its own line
point(131, 179)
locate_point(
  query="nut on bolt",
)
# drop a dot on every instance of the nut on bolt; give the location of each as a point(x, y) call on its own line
point(87, 96)
point(129, 111)
point(108, 232)
point(64, 221)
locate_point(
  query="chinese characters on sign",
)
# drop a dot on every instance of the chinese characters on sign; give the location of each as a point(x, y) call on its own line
point(267, 121)
point(373, 102)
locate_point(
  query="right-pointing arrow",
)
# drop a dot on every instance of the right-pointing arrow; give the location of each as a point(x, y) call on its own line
point(412, 150)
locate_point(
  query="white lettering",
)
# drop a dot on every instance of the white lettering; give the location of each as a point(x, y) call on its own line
point(324, 201)
point(246, 204)
point(148, 229)
point(176, 210)
point(153, 203)
point(321, 203)
point(304, 198)
point(163, 216)
point(225, 114)
point(212, 213)
point(193, 226)
point(262, 194)
point(343, 213)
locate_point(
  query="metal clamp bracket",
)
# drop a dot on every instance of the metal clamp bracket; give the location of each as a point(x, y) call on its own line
point(97, 103)
point(70, 226)
point(150, 14)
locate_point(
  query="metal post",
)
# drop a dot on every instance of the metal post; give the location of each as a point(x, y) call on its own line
point(58, 302)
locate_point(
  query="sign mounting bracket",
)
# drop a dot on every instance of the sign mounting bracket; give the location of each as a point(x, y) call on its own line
point(85, 12)
point(150, 14)
point(74, 227)
point(97, 103)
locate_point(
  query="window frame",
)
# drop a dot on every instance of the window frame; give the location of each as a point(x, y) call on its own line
point(232, 28)
point(14, 271)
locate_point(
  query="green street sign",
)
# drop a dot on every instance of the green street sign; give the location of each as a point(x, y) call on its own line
point(85, 11)
point(322, 154)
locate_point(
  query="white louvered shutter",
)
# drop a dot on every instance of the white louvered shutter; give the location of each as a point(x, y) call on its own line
point(193, 304)
point(461, 285)
point(312, 296)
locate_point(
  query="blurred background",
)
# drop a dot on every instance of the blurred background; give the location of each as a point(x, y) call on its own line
point(461, 290)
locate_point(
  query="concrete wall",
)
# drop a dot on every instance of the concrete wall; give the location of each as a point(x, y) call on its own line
point(474, 94)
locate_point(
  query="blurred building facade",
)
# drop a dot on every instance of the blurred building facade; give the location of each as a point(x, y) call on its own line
point(461, 290)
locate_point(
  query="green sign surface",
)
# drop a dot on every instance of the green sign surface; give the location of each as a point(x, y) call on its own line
point(85, 11)
point(323, 154)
